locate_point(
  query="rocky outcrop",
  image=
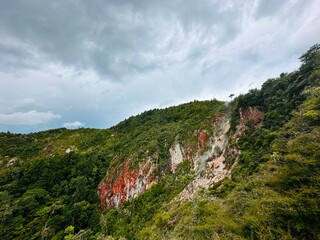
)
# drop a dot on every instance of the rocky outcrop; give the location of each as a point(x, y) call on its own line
point(125, 184)
point(12, 161)
point(176, 156)
point(203, 137)
point(210, 165)
point(250, 114)
point(211, 157)
point(217, 162)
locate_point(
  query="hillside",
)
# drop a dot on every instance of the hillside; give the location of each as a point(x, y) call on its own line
point(247, 169)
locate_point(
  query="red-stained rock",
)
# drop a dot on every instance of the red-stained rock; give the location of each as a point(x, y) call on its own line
point(203, 137)
point(125, 184)
point(190, 148)
point(188, 155)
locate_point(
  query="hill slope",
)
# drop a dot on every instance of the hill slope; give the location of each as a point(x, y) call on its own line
point(202, 170)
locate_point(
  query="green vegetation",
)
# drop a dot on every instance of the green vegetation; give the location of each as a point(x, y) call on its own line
point(273, 192)
point(45, 191)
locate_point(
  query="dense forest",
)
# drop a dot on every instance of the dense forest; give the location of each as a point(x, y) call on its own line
point(49, 180)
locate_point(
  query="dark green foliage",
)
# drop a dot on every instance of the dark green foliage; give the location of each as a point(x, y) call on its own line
point(53, 192)
point(254, 146)
point(222, 188)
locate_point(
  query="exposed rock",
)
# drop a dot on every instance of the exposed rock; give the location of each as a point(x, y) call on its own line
point(69, 150)
point(252, 114)
point(217, 120)
point(176, 156)
point(210, 165)
point(12, 161)
point(203, 137)
point(125, 184)
point(189, 149)
point(208, 158)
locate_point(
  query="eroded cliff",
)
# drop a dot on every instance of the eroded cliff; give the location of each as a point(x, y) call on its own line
point(207, 158)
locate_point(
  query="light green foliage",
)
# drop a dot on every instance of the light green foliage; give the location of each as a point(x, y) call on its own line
point(69, 232)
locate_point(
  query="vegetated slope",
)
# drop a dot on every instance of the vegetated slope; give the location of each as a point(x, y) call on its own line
point(274, 190)
point(49, 180)
point(201, 170)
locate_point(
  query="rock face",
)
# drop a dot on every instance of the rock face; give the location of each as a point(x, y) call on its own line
point(207, 156)
point(203, 137)
point(210, 165)
point(125, 184)
point(12, 161)
point(252, 114)
point(176, 156)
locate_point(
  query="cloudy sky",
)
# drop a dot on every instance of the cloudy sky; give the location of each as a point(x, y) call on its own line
point(73, 63)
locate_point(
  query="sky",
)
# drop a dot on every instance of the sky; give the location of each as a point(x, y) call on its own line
point(79, 63)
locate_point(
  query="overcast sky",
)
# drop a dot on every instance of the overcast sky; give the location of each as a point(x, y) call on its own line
point(69, 63)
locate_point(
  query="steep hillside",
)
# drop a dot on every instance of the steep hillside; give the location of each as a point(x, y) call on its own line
point(49, 180)
point(247, 169)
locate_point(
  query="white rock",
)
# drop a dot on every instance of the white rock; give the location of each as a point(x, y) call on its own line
point(176, 156)
point(69, 150)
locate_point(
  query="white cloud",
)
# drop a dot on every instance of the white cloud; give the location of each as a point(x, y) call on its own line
point(73, 125)
point(27, 118)
point(109, 62)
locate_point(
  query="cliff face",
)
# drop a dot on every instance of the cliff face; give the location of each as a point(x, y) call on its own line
point(209, 165)
point(207, 159)
point(125, 184)
point(176, 156)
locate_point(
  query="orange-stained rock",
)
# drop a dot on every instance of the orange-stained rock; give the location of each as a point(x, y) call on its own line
point(125, 184)
point(203, 137)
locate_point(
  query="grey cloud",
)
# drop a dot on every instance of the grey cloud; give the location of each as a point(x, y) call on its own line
point(25, 104)
point(113, 37)
point(27, 118)
point(16, 55)
point(270, 7)
point(100, 61)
